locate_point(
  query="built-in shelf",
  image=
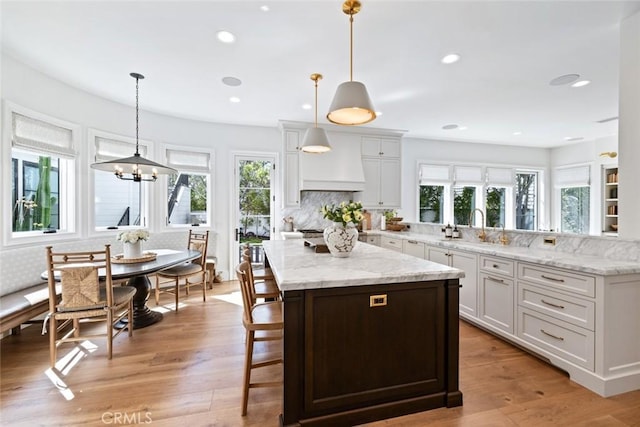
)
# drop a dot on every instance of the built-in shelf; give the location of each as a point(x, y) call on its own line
point(610, 200)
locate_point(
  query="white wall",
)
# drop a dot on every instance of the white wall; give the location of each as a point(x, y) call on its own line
point(31, 89)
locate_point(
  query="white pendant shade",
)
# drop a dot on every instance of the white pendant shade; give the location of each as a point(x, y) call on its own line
point(315, 141)
point(351, 105)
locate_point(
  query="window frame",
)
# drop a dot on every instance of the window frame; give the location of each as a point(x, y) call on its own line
point(163, 211)
point(471, 175)
point(585, 179)
point(146, 187)
point(69, 184)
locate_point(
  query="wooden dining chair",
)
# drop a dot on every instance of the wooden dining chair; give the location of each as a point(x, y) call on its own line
point(86, 297)
point(264, 284)
point(188, 274)
point(265, 318)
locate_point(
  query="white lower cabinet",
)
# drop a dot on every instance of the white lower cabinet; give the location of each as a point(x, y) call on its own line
point(373, 240)
point(392, 243)
point(413, 247)
point(496, 301)
point(466, 262)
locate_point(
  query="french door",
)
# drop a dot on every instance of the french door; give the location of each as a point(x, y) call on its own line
point(253, 209)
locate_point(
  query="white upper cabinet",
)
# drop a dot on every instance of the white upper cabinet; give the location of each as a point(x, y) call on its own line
point(381, 164)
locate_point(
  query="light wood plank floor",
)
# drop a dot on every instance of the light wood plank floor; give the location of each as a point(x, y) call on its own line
point(187, 370)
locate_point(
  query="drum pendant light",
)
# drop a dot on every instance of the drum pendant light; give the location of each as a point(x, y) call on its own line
point(138, 167)
point(351, 104)
point(315, 139)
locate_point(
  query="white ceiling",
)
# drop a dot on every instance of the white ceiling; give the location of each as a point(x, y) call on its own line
point(510, 51)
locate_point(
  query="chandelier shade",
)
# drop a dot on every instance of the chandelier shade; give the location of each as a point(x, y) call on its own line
point(315, 139)
point(351, 104)
point(135, 168)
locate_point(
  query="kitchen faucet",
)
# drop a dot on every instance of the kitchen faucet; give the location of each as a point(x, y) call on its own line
point(482, 235)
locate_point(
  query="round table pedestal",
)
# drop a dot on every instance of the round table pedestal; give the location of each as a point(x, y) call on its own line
point(142, 315)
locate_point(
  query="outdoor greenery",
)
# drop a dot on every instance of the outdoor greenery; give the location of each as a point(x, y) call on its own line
point(495, 206)
point(431, 203)
point(35, 213)
point(525, 201)
point(463, 204)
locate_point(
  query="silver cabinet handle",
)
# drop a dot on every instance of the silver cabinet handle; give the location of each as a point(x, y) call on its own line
point(413, 242)
point(552, 278)
point(496, 266)
point(495, 279)
point(551, 335)
point(552, 305)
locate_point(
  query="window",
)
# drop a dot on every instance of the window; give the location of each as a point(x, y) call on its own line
point(464, 202)
point(188, 192)
point(496, 206)
point(574, 207)
point(42, 157)
point(573, 189)
point(526, 200)
point(117, 203)
point(431, 203)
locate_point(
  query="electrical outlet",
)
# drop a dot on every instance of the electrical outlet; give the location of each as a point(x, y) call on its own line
point(550, 241)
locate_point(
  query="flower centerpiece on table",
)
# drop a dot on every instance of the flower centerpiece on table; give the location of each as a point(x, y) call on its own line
point(344, 213)
point(133, 236)
point(132, 242)
point(341, 237)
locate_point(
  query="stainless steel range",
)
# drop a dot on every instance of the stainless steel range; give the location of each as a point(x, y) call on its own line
point(310, 233)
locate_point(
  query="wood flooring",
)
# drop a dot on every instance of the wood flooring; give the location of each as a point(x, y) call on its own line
point(187, 370)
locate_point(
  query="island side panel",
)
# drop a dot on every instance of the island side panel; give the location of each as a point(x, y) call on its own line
point(454, 396)
point(357, 363)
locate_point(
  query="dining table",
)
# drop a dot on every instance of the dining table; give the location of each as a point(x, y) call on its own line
point(137, 274)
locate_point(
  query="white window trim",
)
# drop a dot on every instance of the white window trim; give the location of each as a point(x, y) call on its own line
point(161, 209)
point(148, 200)
point(69, 212)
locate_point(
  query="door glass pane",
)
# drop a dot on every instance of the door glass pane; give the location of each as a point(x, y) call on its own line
point(464, 202)
point(254, 205)
point(574, 205)
point(187, 199)
point(36, 194)
point(431, 203)
point(526, 200)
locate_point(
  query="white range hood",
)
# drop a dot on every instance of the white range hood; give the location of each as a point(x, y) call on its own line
point(337, 170)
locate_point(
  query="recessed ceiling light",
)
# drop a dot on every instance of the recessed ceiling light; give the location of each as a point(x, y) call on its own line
point(573, 138)
point(450, 59)
point(564, 80)
point(516, 133)
point(264, 8)
point(306, 106)
point(231, 81)
point(463, 128)
point(226, 36)
point(234, 99)
point(581, 83)
point(450, 126)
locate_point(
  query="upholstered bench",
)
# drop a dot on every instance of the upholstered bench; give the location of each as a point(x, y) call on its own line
point(21, 306)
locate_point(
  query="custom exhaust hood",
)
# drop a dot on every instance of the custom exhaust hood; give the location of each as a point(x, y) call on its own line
point(337, 170)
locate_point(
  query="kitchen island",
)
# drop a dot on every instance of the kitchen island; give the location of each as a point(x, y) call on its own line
point(367, 337)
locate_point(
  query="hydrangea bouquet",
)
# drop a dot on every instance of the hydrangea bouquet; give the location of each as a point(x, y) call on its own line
point(344, 213)
point(133, 236)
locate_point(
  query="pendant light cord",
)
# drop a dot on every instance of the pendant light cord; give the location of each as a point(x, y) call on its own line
point(351, 46)
point(137, 116)
point(316, 107)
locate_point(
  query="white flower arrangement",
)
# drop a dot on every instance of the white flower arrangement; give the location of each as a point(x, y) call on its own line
point(343, 213)
point(132, 236)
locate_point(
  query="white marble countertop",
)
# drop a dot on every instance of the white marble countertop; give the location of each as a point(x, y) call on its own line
point(601, 265)
point(296, 266)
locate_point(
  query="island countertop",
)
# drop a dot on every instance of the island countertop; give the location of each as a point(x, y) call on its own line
point(298, 267)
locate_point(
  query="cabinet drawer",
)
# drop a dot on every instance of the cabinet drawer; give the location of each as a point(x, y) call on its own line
point(374, 240)
point(497, 265)
point(391, 243)
point(564, 307)
point(558, 279)
point(413, 247)
point(563, 339)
